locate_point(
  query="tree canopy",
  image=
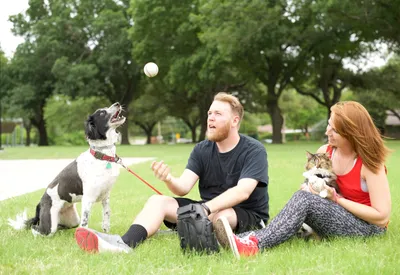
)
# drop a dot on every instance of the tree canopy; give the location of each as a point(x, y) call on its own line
point(261, 51)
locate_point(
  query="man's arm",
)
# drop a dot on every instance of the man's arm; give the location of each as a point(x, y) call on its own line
point(233, 196)
point(179, 186)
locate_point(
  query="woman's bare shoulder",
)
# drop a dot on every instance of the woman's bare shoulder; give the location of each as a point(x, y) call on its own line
point(322, 149)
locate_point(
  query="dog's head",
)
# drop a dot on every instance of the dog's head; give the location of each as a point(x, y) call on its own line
point(99, 124)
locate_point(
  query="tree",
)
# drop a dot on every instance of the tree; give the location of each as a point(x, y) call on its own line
point(147, 111)
point(268, 40)
point(70, 129)
point(379, 91)
point(191, 73)
point(49, 34)
point(324, 76)
point(108, 69)
point(301, 112)
point(5, 84)
point(370, 19)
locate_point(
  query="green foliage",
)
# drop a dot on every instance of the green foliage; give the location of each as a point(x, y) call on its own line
point(254, 49)
point(191, 72)
point(65, 118)
point(75, 79)
point(147, 111)
point(273, 41)
point(378, 90)
point(301, 112)
point(249, 125)
point(5, 81)
point(370, 19)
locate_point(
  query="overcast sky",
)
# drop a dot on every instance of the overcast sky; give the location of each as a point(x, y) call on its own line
point(9, 42)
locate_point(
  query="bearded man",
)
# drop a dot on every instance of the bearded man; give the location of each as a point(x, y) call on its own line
point(232, 171)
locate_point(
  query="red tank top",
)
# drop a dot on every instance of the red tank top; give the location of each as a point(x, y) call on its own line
point(350, 183)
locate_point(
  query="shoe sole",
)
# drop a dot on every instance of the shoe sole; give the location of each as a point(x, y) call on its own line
point(87, 240)
point(220, 234)
point(224, 234)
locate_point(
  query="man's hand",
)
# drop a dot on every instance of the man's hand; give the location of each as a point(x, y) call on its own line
point(161, 171)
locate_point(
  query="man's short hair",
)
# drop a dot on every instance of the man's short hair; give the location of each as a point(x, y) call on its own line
point(236, 106)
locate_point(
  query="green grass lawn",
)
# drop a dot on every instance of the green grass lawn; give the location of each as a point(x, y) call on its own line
point(21, 253)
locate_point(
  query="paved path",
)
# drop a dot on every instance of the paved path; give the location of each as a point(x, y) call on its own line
point(18, 177)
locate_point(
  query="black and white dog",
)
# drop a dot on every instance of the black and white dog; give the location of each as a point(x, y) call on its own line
point(89, 179)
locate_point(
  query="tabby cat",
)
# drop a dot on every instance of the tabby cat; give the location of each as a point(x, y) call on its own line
point(318, 174)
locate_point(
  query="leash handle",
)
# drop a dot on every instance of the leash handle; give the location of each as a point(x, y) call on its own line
point(136, 175)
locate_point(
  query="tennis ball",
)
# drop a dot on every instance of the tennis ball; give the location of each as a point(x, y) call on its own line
point(151, 69)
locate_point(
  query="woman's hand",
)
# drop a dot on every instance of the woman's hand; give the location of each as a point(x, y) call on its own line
point(331, 193)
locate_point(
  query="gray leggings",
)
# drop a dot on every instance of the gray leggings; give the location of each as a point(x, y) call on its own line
point(324, 216)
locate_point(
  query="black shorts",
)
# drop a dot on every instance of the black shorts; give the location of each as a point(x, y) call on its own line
point(247, 220)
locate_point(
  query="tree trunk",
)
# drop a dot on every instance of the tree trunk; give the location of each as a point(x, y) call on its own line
point(193, 130)
point(148, 129)
point(204, 104)
point(203, 129)
point(41, 126)
point(148, 139)
point(124, 133)
point(277, 122)
point(192, 127)
point(28, 136)
point(125, 102)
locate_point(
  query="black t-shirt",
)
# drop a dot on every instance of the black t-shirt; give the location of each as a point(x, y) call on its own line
point(220, 171)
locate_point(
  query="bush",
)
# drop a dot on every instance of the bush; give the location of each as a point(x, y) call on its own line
point(73, 138)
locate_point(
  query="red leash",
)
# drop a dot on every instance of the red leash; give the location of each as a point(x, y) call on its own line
point(116, 159)
point(136, 175)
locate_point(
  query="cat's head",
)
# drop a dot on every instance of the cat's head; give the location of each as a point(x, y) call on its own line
point(318, 160)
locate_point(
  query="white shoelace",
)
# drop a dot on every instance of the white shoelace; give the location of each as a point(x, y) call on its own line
point(246, 240)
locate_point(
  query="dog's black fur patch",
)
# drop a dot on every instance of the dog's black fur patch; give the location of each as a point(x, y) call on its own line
point(69, 182)
point(97, 126)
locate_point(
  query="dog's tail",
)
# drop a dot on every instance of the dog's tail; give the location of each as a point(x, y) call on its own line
point(21, 221)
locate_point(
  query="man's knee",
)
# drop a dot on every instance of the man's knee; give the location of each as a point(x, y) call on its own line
point(157, 201)
point(229, 213)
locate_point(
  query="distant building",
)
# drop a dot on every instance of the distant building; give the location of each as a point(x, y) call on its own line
point(392, 125)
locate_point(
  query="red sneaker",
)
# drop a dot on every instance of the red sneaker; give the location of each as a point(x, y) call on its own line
point(97, 242)
point(246, 246)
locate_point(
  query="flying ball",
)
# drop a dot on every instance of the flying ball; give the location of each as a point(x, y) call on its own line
point(151, 69)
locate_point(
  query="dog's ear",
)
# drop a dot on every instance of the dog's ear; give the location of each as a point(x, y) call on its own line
point(90, 128)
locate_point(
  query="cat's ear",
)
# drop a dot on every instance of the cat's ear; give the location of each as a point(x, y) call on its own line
point(309, 155)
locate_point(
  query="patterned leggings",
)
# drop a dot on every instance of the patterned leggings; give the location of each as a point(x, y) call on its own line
point(324, 216)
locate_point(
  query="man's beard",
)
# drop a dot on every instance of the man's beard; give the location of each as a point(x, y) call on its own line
point(220, 135)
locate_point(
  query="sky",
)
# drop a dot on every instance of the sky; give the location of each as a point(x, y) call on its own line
point(9, 42)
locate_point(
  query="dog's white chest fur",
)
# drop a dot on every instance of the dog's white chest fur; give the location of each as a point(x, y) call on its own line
point(98, 176)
